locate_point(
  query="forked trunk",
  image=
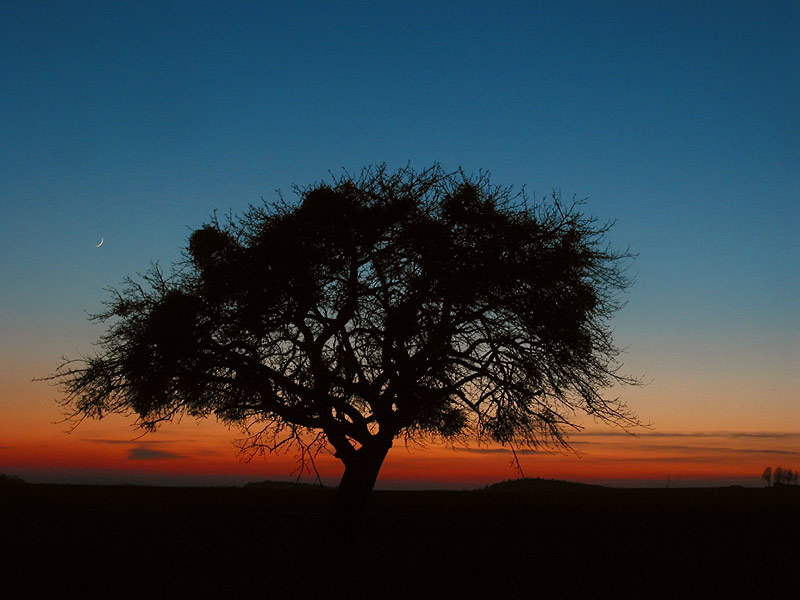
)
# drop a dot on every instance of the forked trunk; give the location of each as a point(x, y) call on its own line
point(360, 473)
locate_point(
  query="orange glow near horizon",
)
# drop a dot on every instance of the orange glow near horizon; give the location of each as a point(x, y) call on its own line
point(204, 454)
point(36, 447)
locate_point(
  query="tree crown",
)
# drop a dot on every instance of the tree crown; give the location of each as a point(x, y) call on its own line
point(382, 305)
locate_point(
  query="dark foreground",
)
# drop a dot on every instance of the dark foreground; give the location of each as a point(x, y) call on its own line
point(165, 542)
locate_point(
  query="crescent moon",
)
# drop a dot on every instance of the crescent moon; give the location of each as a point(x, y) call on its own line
point(101, 243)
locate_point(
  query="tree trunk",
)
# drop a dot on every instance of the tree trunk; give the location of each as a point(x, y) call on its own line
point(360, 473)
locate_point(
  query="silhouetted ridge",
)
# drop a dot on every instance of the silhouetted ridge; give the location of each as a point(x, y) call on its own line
point(537, 484)
point(286, 485)
point(11, 480)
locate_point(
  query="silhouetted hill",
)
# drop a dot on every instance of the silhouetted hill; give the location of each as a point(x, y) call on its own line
point(270, 484)
point(537, 485)
point(11, 480)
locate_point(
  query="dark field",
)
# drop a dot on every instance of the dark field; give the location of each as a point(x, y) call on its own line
point(119, 541)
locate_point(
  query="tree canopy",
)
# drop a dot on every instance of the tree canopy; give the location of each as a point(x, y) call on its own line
point(377, 306)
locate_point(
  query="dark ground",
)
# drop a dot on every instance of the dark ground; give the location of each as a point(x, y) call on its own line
point(164, 542)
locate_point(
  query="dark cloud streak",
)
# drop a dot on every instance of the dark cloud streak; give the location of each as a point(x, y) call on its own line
point(784, 435)
point(143, 453)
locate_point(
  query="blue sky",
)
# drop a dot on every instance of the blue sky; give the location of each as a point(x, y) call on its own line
point(134, 121)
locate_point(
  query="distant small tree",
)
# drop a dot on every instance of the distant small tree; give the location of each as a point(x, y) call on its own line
point(389, 305)
point(782, 476)
point(767, 476)
point(785, 476)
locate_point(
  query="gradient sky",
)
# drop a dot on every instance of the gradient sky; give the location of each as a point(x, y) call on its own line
point(135, 121)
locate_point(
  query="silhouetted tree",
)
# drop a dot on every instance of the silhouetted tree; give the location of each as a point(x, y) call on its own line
point(778, 475)
point(767, 476)
point(379, 306)
point(783, 476)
